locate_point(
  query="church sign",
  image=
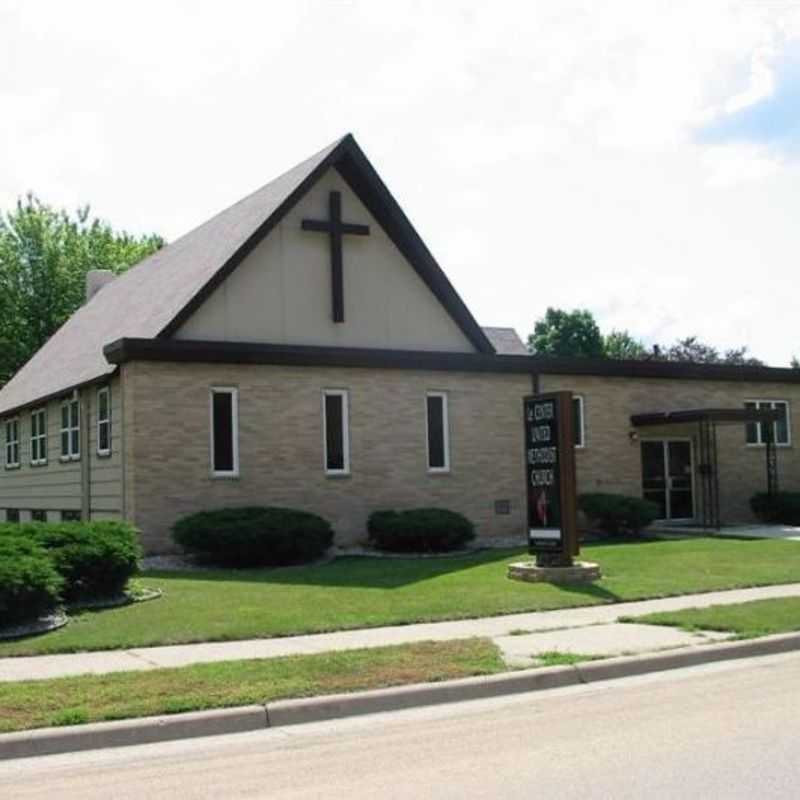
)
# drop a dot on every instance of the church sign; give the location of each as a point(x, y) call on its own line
point(550, 478)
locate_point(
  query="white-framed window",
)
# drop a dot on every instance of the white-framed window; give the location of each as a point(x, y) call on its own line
point(336, 432)
point(578, 420)
point(39, 437)
point(224, 411)
point(70, 430)
point(755, 433)
point(104, 421)
point(437, 428)
point(12, 443)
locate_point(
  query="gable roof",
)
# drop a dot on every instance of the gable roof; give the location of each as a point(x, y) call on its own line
point(154, 298)
point(506, 341)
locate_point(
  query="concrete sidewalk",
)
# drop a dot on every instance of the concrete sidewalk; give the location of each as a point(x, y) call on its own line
point(520, 637)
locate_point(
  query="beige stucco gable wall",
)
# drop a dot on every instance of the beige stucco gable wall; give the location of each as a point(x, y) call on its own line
point(281, 293)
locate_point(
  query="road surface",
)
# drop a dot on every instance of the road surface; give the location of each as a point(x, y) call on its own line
point(718, 731)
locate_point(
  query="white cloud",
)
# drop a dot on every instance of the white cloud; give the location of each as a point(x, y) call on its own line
point(544, 150)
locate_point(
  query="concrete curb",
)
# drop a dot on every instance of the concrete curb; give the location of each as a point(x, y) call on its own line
point(145, 730)
point(49, 741)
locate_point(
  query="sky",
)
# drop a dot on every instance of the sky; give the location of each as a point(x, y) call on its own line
point(640, 159)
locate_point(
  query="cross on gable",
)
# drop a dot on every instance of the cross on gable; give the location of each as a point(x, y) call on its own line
point(335, 229)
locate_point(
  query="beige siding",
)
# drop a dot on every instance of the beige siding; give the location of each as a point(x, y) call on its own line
point(281, 292)
point(57, 485)
point(281, 448)
point(105, 472)
point(611, 460)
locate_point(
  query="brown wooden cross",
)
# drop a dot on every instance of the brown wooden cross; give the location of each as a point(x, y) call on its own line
point(335, 229)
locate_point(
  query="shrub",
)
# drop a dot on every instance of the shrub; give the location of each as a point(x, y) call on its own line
point(96, 559)
point(254, 536)
point(617, 513)
point(782, 507)
point(419, 530)
point(29, 583)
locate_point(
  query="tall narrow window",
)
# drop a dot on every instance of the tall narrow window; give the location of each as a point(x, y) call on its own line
point(12, 443)
point(224, 432)
point(39, 437)
point(438, 434)
point(104, 421)
point(336, 432)
point(70, 430)
point(577, 421)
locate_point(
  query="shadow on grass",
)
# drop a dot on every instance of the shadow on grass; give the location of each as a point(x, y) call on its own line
point(350, 571)
point(381, 573)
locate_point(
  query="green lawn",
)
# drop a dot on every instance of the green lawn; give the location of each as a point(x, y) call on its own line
point(122, 695)
point(363, 592)
point(746, 620)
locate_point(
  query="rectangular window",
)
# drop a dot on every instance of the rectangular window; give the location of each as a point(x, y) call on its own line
point(12, 443)
point(336, 432)
point(578, 421)
point(37, 515)
point(104, 421)
point(12, 515)
point(70, 430)
point(39, 437)
point(755, 432)
point(438, 433)
point(70, 516)
point(224, 432)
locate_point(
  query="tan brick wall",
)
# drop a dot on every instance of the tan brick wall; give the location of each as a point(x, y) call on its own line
point(166, 408)
point(610, 462)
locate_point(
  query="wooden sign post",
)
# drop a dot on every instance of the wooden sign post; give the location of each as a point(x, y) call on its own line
point(550, 477)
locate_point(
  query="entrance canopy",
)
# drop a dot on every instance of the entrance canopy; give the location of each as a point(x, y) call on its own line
point(707, 420)
point(716, 415)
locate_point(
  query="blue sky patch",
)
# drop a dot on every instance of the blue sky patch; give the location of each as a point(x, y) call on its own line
point(773, 121)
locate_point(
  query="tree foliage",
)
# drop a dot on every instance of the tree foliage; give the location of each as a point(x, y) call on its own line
point(576, 334)
point(795, 363)
point(620, 344)
point(567, 333)
point(45, 254)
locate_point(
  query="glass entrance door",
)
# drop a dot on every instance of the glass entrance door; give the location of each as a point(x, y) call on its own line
point(667, 481)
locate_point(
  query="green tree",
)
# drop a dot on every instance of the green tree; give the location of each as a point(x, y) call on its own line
point(620, 344)
point(692, 349)
point(794, 363)
point(45, 254)
point(567, 333)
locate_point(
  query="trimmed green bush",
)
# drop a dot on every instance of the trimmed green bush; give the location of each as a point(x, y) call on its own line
point(29, 583)
point(617, 513)
point(781, 508)
point(254, 536)
point(419, 530)
point(96, 559)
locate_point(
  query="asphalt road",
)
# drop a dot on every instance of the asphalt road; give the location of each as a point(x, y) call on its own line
point(719, 731)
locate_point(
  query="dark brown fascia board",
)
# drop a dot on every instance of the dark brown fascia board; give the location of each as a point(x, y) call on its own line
point(180, 350)
point(612, 368)
point(721, 415)
point(123, 350)
point(355, 168)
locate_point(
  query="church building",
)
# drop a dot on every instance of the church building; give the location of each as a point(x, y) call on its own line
point(303, 348)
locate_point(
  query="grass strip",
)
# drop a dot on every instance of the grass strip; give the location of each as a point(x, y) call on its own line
point(123, 695)
point(556, 658)
point(745, 620)
point(224, 605)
